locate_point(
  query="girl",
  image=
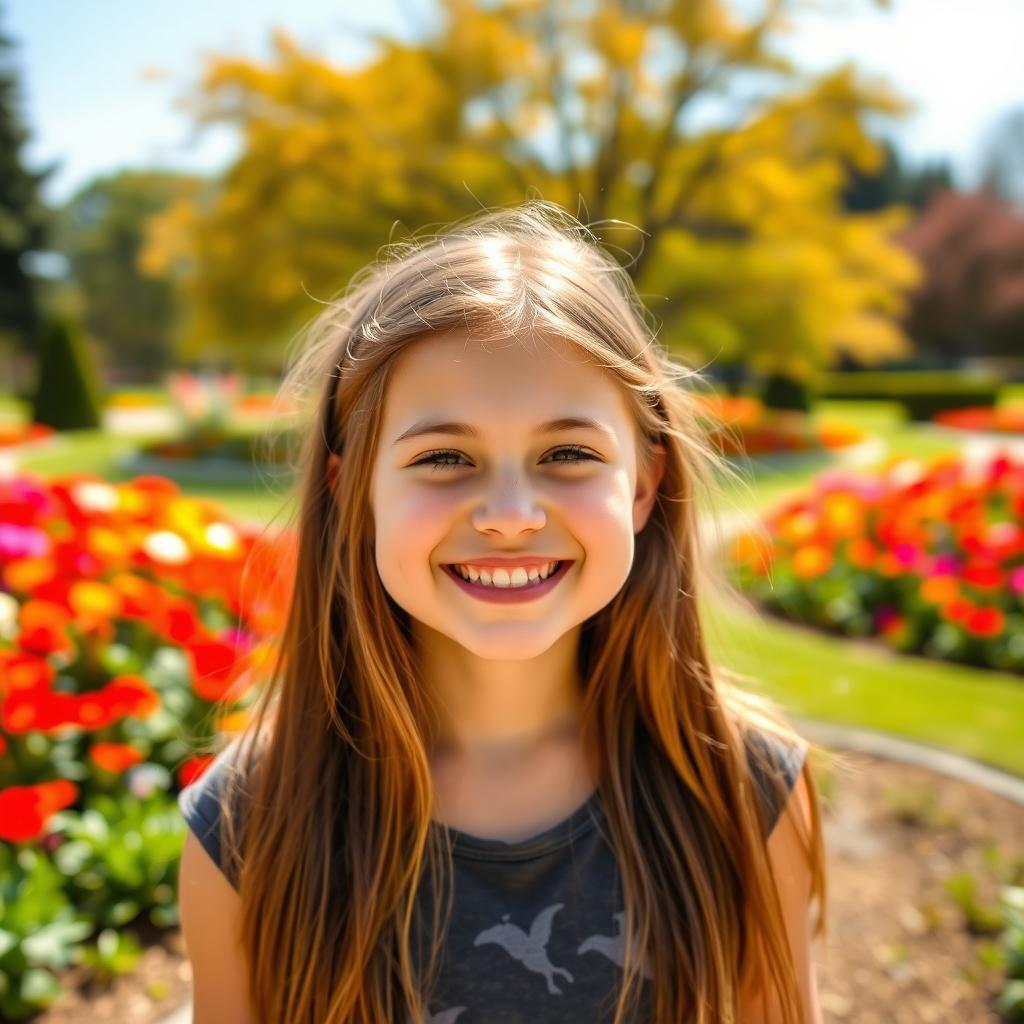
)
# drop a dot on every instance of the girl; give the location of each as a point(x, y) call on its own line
point(494, 776)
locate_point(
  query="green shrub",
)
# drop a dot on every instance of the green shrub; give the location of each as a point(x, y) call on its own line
point(39, 931)
point(922, 392)
point(784, 392)
point(68, 394)
point(1010, 1002)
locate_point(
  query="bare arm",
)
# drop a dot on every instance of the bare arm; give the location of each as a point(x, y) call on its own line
point(792, 871)
point(209, 908)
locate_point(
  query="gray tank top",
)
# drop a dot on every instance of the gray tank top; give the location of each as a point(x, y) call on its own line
point(536, 932)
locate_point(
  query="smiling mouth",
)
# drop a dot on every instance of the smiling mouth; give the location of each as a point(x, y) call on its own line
point(557, 571)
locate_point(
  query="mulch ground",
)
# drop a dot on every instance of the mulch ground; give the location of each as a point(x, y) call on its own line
point(897, 950)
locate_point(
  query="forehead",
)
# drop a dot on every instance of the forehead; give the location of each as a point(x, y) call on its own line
point(510, 382)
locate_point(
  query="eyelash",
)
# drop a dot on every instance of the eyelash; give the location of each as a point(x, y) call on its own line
point(428, 459)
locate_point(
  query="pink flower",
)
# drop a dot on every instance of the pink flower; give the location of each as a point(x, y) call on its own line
point(906, 554)
point(1017, 579)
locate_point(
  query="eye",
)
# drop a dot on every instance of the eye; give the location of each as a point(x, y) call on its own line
point(434, 459)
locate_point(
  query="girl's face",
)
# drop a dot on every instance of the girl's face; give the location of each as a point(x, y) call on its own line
point(504, 486)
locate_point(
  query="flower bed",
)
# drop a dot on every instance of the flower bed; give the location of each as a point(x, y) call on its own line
point(217, 446)
point(217, 456)
point(929, 558)
point(132, 620)
point(1000, 419)
point(741, 425)
point(15, 434)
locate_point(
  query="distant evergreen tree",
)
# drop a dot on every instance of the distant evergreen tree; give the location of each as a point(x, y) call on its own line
point(24, 220)
point(68, 394)
point(894, 183)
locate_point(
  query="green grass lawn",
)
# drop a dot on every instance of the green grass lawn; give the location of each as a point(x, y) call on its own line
point(100, 453)
point(975, 712)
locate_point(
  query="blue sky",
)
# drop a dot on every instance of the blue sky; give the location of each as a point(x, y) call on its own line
point(90, 103)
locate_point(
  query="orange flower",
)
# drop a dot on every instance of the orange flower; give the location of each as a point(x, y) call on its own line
point(843, 515)
point(753, 550)
point(811, 560)
point(139, 597)
point(109, 546)
point(798, 526)
point(889, 565)
point(861, 553)
point(114, 757)
point(23, 575)
point(234, 721)
point(940, 589)
point(90, 597)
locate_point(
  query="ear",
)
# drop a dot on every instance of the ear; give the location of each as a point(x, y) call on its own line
point(647, 487)
point(332, 471)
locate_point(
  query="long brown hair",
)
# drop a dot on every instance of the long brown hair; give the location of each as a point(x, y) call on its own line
point(336, 838)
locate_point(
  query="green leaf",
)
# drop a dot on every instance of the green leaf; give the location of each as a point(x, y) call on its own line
point(39, 987)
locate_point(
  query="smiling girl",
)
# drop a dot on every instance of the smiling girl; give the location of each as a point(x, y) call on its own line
point(495, 775)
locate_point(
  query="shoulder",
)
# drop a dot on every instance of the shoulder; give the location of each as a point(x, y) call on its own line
point(202, 806)
point(775, 766)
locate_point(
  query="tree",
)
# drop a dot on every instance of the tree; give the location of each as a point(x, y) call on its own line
point(743, 248)
point(895, 183)
point(971, 302)
point(23, 217)
point(133, 314)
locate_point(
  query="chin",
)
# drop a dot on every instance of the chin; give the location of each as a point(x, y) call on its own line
point(512, 645)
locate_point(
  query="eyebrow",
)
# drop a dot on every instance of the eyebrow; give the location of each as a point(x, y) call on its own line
point(466, 430)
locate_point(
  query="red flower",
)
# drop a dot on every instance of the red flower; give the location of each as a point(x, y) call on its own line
point(983, 575)
point(114, 757)
point(43, 627)
point(24, 809)
point(959, 609)
point(20, 670)
point(985, 622)
point(129, 695)
point(193, 768)
point(215, 667)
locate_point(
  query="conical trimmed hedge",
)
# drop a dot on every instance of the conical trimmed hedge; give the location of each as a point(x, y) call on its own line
point(68, 394)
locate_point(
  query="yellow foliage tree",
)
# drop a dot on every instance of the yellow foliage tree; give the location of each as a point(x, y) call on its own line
point(734, 232)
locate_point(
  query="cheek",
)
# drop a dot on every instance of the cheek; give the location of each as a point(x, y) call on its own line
point(409, 526)
point(601, 513)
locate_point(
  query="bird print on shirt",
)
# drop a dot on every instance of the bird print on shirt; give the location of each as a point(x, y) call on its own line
point(444, 1016)
point(530, 950)
point(611, 946)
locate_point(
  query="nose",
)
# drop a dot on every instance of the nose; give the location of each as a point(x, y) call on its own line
point(510, 509)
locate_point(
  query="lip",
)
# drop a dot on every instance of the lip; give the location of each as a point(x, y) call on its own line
point(510, 595)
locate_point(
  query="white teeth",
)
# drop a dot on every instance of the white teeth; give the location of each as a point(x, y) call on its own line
point(518, 576)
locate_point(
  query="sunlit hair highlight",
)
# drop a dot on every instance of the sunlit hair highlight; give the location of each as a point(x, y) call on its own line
point(336, 840)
